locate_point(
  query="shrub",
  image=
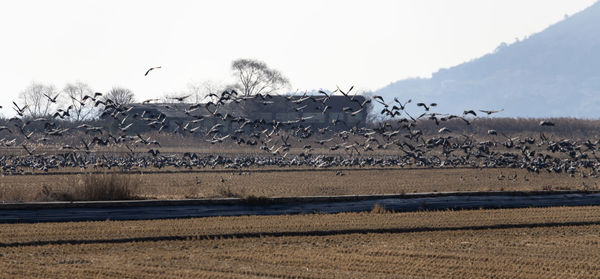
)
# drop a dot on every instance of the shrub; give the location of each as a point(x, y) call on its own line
point(379, 209)
point(113, 186)
point(226, 192)
point(257, 200)
point(12, 194)
point(47, 194)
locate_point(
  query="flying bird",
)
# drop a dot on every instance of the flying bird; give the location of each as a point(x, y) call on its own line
point(470, 112)
point(154, 152)
point(20, 110)
point(51, 99)
point(488, 112)
point(149, 101)
point(444, 130)
point(425, 105)
point(180, 98)
point(153, 68)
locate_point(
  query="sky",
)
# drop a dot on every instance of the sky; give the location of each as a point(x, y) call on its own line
point(316, 44)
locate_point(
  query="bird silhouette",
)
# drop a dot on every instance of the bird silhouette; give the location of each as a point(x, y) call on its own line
point(151, 69)
point(180, 99)
point(546, 123)
point(52, 99)
point(489, 112)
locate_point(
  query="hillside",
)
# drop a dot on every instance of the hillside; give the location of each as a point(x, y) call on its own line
point(553, 73)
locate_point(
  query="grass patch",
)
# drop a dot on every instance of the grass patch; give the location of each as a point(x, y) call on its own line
point(47, 194)
point(10, 193)
point(100, 187)
point(95, 187)
point(379, 209)
point(25, 188)
point(85, 187)
point(257, 200)
point(226, 192)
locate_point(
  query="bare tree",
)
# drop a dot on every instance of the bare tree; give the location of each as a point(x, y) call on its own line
point(198, 91)
point(255, 77)
point(37, 99)
point(120, 96)
point(195, 89)
point(171, 98)
point(372, 116)
point(74, 94)
point(212, 87)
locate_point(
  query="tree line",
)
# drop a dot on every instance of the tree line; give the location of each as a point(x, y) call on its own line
point(252, 77)
point(512, 127)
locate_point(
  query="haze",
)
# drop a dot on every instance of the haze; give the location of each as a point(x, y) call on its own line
point(316, 44)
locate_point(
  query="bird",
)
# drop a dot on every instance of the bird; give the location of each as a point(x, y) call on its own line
point(52, 99)
point(153, 68)
point(357, 112)
point(300, 108)
point(149, 101)
point(80, 102)
point(324, 93)
point(546, 123)
point(444, 130)
point(180, 99)
point(470, 112)
point(488, 112)
point(154, 152)
point(30, 152)
point(96, 95)
point(20, 110)
point(324, 141)
point(124, 129)
point(425, 105)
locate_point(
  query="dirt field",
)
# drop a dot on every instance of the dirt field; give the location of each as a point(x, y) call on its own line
point(305, 183)
point(526, 243)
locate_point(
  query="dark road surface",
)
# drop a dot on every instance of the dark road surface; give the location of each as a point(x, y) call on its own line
point(144, 210)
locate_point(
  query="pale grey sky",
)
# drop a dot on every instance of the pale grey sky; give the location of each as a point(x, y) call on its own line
point(316, 44)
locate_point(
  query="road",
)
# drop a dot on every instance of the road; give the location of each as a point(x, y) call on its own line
point(156, 209)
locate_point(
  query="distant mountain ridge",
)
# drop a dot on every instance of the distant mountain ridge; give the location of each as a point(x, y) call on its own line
point(554, 73)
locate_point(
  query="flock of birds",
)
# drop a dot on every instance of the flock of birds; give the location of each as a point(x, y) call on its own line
point(396, 141)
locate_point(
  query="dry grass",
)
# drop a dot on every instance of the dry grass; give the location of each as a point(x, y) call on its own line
point(108, 187)
point(379, 209)
point(303, 183)
point(88, 187)
point(508, 243)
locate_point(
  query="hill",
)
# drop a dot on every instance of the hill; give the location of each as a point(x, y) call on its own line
point(553, 73)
